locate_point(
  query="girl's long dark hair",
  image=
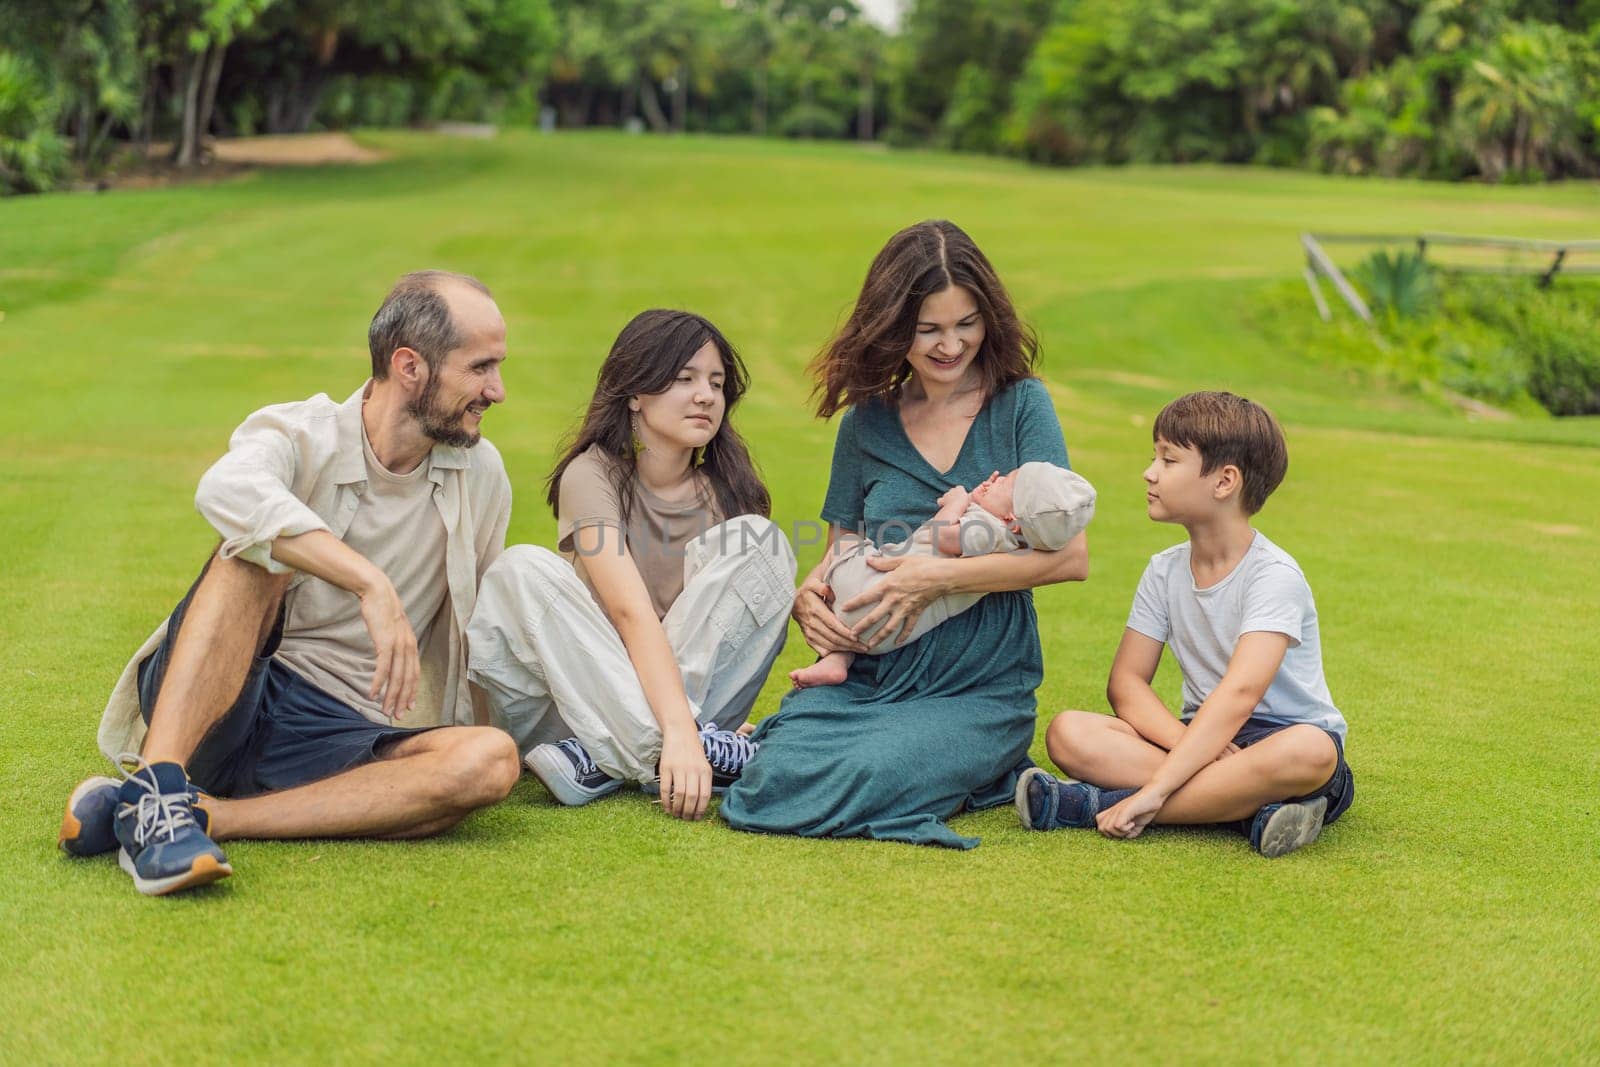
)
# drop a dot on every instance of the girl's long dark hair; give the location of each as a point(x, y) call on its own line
point(866, 360)
point(645, 359)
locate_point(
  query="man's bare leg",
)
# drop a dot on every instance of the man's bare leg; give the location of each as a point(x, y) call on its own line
point(227, 620)
point(422, 785)
point(1107, 752)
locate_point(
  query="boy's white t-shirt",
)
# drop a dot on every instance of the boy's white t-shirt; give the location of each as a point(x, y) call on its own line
point(1265, 592)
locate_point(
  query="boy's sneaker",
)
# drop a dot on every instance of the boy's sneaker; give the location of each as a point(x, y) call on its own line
point(726, 751)
point(1279, 829)
point(88, 828)
point(567, 771)
point(1044, 802)
point(164, 848)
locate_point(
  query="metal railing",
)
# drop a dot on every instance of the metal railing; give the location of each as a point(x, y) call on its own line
point(1320, 265)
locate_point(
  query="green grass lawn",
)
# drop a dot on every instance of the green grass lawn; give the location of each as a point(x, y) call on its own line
point(1453, 914)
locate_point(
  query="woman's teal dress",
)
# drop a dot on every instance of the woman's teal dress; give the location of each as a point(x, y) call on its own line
point(914, 736)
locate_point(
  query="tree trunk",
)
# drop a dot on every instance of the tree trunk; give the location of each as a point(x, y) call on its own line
point(208, 90)
point(147, 115)
point(630, 97)
point(680, 100)
point(864, 114)
point(759, 118)
point(309, 98)
point(97, 144)
point(187, 153)
point(651, 106)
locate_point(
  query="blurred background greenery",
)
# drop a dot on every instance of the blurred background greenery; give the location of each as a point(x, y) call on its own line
point(1501, 90)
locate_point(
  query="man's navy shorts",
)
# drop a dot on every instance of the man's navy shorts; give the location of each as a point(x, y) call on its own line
point(281, 732)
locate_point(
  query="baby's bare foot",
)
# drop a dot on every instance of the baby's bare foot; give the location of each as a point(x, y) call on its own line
point(829, 670)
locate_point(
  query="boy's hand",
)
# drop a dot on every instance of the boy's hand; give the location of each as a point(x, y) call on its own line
point(1128, 819)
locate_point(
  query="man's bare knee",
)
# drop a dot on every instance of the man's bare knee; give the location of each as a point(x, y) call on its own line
point(478, 767)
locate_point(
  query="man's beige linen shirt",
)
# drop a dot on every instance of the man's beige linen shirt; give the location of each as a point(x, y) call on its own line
point(298, 467)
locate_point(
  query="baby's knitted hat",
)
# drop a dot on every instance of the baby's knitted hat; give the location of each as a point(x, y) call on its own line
point(1052, 504)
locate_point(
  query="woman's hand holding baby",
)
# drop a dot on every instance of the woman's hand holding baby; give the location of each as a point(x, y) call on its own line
point(823, 630)
point(912, 584)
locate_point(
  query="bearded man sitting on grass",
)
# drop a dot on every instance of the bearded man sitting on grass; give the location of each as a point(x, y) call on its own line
point(312, 682)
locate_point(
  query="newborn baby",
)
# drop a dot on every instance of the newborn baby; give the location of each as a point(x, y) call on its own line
point(1038, 505)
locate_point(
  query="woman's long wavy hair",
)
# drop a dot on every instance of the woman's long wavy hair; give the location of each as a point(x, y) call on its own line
point(645, 359)
point(866, 360)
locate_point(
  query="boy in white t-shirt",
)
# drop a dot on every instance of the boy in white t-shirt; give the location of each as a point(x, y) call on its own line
point(1260, 744)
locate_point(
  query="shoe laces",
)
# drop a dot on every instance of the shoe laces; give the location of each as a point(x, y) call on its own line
point(574, 750)
point(726, 750)
point(159, 814)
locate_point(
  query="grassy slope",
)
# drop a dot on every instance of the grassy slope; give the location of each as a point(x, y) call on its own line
point(1450, 914)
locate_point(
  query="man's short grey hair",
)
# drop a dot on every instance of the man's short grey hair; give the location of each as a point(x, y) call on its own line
point(414, 315)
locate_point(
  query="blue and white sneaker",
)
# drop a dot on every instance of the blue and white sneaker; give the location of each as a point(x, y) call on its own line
point(1044, 802)
point(88, 828)
point(164, 848)
point(1279, 829)
point(726, 750)
point(567, 771)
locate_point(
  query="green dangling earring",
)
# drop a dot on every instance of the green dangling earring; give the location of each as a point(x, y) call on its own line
point(638, 445)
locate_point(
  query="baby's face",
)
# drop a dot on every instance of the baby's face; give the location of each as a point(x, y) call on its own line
point(995, 495)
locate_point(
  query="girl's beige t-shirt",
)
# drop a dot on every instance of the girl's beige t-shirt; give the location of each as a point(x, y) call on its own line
point(655, 534)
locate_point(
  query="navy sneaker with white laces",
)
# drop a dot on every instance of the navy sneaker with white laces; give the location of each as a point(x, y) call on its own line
point(1279, 829)
point(569, 773)
point(726, 751)
point(89, 826)
point(164, 847)
point(1044, 802)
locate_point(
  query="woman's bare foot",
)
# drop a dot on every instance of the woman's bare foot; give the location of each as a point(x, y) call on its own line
point(829, 670)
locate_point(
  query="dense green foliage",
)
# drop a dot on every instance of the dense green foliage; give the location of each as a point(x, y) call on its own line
point(1442, 88)
point(1492, 89)
point(1447, 918)
point(1501, 340)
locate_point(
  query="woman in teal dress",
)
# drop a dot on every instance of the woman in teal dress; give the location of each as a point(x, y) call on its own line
point(934, 373)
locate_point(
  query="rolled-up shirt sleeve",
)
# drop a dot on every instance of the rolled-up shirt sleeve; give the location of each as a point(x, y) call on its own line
point(248, 495)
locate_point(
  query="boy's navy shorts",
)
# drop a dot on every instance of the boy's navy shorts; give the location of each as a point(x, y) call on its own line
point(281, 732)
point(1339, 789)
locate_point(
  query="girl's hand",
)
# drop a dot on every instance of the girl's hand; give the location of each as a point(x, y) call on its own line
point(913, 583)
point(685, 775)
point(823, 630)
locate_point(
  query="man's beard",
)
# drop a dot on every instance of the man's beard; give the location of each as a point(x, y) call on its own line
point(437, 423)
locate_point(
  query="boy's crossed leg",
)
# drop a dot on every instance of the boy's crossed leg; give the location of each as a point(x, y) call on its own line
point(1105, 751)
point(1252, 786)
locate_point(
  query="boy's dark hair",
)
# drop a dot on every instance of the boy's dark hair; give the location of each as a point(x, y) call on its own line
point(1225, 429)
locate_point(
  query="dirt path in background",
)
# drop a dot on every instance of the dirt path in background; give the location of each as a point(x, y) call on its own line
point(293, 150)
point(233, 156)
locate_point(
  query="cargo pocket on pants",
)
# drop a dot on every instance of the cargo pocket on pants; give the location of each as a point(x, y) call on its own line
point(751, 601)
